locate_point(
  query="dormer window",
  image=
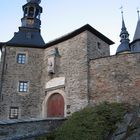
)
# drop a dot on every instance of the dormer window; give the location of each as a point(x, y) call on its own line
point(28, 35)
point(124, 36)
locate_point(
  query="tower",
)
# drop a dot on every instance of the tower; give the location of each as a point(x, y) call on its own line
point(22, 62)
point(124, 35)
point(31, 17)
point(29, 32)
point(135, 44)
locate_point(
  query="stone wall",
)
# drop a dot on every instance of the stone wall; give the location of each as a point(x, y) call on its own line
point(24, 129)
point(97, 48)
point(72, 63)
point(115, 78)
point(29, 103)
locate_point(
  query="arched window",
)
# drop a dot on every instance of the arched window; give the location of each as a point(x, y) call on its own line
point(37, 13)
point(25, 11)
point(31, 11)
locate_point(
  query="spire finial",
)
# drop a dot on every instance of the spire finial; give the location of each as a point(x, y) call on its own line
point(123, 23)
point(121, 8)
point(124, 46)
point(138, 13)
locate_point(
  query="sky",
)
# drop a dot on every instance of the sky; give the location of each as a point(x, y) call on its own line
point(60, 17)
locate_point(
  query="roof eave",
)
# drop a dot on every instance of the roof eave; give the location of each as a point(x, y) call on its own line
point(21, 45)
point(134, 41)
point(78, 31)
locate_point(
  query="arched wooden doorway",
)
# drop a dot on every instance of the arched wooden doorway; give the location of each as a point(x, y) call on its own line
point(55, 106)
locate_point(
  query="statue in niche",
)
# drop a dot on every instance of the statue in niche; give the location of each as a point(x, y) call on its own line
point(51, 64)
point(52, 60)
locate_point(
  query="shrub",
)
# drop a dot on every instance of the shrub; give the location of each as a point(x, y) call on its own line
point(91, 123)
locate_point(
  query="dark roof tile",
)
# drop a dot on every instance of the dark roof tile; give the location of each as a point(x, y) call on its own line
point(78, 31)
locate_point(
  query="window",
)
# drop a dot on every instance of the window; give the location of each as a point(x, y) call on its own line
point(14, 112)
point(31, 11)
point(28, 35)
point(25, 11)
point(133, 48)
point(98, 45)
point(23, 86)
point(21, 58)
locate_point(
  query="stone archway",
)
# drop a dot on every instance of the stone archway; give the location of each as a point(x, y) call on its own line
point(55, 105)
point(49, 95)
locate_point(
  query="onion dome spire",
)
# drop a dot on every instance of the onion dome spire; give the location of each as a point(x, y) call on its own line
point(124, 35)
point(29, 32)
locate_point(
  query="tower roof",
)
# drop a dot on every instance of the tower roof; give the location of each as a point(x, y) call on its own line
point(137, 32)
point(86, 27)
point(29, 32)
point(124, 46)
point(34, 1)
point(124, 29)
point(26, 37)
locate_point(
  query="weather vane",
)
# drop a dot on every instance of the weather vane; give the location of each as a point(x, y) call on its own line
point(138, 13)
point(121, 10)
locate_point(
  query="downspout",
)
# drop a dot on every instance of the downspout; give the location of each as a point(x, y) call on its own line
point(2, 71)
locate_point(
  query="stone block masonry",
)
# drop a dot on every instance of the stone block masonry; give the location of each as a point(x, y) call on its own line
point(115, 79)
point(24, 129)
point(13, 73)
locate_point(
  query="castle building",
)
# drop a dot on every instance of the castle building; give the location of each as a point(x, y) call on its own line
point(39, 80)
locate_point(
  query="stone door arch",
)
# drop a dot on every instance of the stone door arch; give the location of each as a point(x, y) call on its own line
point(55, 105)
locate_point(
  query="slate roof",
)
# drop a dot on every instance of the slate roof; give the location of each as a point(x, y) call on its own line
point(124, 46)
point(27, 37)
point(86, 27)
point(20, 40)
point(137, 32)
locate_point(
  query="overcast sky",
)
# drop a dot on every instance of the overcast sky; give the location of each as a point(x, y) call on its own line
point(63, 16)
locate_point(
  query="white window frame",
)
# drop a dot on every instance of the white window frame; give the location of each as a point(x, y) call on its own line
point(23, 86)
point(14, 113)
point(22, 59)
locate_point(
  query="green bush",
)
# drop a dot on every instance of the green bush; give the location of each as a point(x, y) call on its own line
point(46, 137)
point(91, 123)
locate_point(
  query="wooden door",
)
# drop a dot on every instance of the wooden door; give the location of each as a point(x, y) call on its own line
point(55, 106)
